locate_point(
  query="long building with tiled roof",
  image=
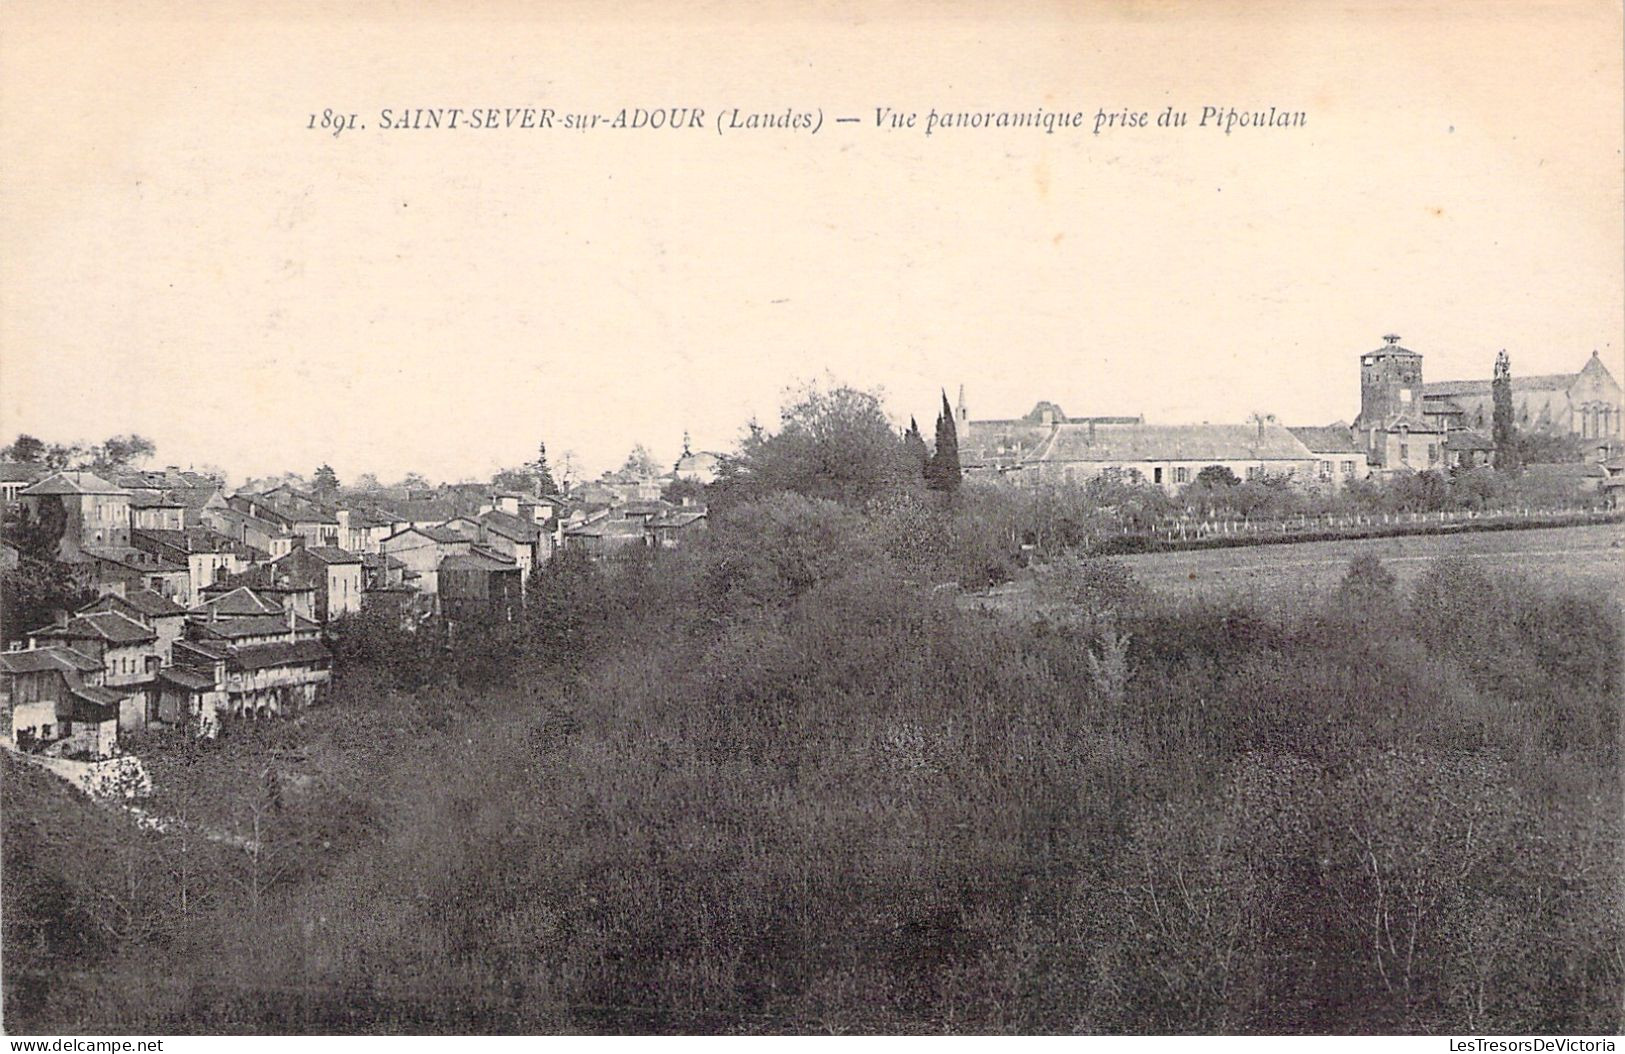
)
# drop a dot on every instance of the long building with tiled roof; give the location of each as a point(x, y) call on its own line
point(1046, 446)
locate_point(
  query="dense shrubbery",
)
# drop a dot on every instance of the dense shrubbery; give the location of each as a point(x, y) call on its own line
point(781, 789)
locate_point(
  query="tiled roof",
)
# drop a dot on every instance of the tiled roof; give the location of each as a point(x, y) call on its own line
point(252, 626)
point(109, 626)
point(92, 693)
point(327, 554)
point(207, 650)
point(510, 526)
point(39, 660)
point(240, 600)
point(196, 540)
point(141, 601)
point(1468, 439)
point(1560, 382)
point(476, 562)
point(679, 518)
point(420, 511)
point(443, 535)
point(1128, 443)
point(246, 519)
point(646, 507)
point(606, 528)
point(290, 653)
point(361, 516)
point(188, 679)
point(136, 559)
point(1328, 439)
point(307, 510)
point(1407, 420)
point(20, 471)
point(164, 479)
point(148, 500)
point(269, 578)
point(74, 483)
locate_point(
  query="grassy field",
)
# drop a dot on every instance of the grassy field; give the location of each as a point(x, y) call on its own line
point(1587, 559)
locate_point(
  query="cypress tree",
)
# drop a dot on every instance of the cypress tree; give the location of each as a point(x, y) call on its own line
point(914, 443)
point(943, 472)
point(545, 486)
point(1505, 434)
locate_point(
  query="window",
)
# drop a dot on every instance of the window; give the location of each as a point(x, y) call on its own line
point(1156, 475)
point(1255, 471)
point(1348, 470)
point(1182, 474)
point(1433, 452)
point(1325, 470)
point(1404, 451)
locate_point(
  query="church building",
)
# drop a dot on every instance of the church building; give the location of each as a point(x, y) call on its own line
point(1587, 404)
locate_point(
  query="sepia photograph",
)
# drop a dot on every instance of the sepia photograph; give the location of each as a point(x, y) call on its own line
point(812, 518)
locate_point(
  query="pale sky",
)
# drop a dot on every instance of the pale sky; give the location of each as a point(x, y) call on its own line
point(184, 259)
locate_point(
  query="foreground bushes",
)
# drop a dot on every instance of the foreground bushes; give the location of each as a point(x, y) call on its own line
point(785, 791)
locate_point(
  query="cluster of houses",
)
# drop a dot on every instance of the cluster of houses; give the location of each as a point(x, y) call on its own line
point(212, 605)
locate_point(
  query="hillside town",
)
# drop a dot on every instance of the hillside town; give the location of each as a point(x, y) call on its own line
point(210, 604)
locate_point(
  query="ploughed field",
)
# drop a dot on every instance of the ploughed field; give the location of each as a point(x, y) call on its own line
point(1588, 559)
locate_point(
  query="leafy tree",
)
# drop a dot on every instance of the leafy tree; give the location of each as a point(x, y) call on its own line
point(1504, 432)
point(120, 452)
point(641, 463)
point(775, 550)
point(38, 537)
point(542, 474)
point(1217, 476)
point(1475, 488)
point(834, 444)
point(39, 586)
point(59, 456)
point(1367, 582)
point(1546, 448)
point(942, 472)
point(325, 483)
point(515, 479)
point(25, 448)
point(679, 489)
